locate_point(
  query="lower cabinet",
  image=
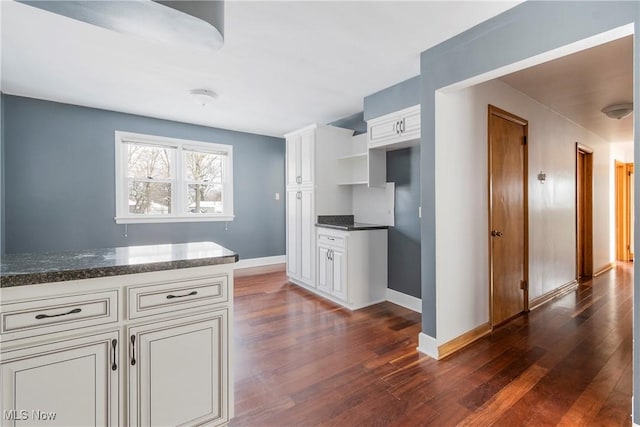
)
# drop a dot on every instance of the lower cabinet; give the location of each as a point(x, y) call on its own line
point(74, 382)
point(332, 270)
point(160, 357)
point(178, 371)
point(352, 266)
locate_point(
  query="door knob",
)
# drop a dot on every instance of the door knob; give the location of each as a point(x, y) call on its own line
point(496, 233)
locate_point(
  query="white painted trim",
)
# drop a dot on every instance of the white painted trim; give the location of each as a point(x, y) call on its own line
point(427, 345)
point(260, 262)
point(168, 218)
point(404, 300)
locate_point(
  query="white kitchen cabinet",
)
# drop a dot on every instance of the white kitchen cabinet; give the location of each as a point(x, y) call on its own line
point(178, 371)
point(300, 236)
point(57, 351)
point(73, 382)
point(396, 130)
point(312, 190)
point(352, 266)
point(300, 158)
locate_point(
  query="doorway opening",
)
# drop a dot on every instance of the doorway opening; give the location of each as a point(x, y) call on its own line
point(584, 212)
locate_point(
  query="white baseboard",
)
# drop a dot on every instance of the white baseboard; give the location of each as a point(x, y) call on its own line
point(404, 300)
point(260, 262)
point(427, 345)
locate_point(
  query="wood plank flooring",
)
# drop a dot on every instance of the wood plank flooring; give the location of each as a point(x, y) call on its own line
point(303, 361)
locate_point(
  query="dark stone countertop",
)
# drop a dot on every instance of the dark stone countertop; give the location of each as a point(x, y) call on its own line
point(33, 268)
point(356, 226)
point(346, 222)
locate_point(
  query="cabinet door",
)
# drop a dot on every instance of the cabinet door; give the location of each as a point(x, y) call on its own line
point(307, 239)
point(411, 123)
point(339, 274)
point(383, 130)
point(180, 375)
point(325, 274)
point(68, 383)
point(293, 234)
point(293, 160)
point(306, 165)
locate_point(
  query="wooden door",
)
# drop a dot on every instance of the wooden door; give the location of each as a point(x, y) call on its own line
point(178, 372)
point(584, 212)
point(508, 214)
point(69, 383)
point(624, 211)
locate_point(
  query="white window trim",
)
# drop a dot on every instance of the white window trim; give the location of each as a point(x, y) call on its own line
point(122, 208)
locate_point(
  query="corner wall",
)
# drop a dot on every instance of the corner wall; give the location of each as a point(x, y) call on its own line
point(462, 201)
point(59, 179)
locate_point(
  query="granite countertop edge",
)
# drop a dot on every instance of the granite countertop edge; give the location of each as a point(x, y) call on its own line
point(22, 279)
point(352, 227)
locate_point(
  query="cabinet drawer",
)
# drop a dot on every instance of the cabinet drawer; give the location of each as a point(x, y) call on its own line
point(36, 317)
point(164, 298)
point(332, 240)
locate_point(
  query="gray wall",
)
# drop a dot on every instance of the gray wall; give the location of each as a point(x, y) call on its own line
point(394, 98)
point(526, 30)
point(403, 168)
point(60, 184)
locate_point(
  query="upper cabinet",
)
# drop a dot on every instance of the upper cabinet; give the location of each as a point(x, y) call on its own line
point(394, 131)
point(300, 158)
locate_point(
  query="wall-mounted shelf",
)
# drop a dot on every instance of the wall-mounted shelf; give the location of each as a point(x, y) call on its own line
point(358, 165)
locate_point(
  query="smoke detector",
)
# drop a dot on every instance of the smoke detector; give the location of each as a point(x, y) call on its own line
point(203, 97)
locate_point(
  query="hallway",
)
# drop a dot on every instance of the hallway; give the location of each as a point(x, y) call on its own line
point(302, 361)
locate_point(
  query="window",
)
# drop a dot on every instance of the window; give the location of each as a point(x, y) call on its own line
point(172, 180)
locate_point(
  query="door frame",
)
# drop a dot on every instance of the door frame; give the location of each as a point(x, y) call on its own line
point(493, 110)
point(588, 152)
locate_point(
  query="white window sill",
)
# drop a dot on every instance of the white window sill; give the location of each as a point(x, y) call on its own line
point(165, 219)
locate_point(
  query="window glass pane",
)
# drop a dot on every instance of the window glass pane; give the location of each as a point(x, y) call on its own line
point(206, 167)
point(151, 198)
point(148, 162)
point(204, 199)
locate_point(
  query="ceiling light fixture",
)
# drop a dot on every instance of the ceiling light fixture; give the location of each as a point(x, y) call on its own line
point(185, 24)
point(618, 111)
point(203, 97)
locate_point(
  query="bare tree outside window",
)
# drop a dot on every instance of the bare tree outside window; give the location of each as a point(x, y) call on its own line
point(149, 173)
point(204, 182)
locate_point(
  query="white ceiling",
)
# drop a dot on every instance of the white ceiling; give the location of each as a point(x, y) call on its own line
point(580, 85)
point(284, 64)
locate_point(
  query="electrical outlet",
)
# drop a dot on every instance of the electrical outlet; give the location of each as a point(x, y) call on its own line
point(419, 211)
point(277, 196)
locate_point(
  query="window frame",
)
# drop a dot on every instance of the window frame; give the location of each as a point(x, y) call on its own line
point(179, 181)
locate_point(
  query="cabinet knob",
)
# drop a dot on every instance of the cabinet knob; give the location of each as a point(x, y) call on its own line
point(496, 233)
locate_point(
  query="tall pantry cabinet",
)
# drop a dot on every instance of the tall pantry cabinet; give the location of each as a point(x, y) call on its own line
point(311, 191)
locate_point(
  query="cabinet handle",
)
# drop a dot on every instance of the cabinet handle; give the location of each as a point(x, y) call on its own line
point(114, 343)
point(397, 127)
point(299, 179)
point(190, 294)
point(133, 347)
point(46, 316)
point(299, 195)
point(330, 253)
point(402, 126)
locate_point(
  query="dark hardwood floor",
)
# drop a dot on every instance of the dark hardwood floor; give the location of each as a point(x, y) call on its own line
point(302, 361)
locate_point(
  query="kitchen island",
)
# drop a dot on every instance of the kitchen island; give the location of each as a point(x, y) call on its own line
point(122, 336)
